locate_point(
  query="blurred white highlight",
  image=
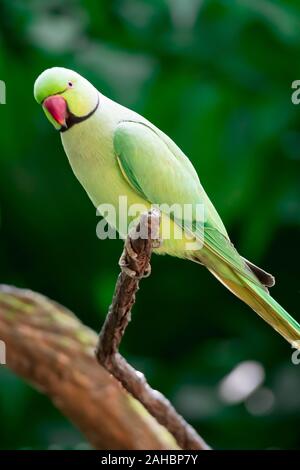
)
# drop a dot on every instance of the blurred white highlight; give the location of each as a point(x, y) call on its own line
point(241, 382)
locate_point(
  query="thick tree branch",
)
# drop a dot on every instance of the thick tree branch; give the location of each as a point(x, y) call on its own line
point(135, 264)
point(49, 347)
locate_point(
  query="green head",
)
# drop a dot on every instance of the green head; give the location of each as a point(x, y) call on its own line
point(66, 97)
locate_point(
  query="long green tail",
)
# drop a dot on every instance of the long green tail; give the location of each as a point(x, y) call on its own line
point(264, 305)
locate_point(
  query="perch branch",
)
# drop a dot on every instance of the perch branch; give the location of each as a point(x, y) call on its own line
point(49, 347)
point(135, 264)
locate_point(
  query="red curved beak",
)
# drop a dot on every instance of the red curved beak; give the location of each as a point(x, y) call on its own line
point(56, 105)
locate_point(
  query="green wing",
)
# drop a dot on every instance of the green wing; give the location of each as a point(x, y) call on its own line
point(162, 174)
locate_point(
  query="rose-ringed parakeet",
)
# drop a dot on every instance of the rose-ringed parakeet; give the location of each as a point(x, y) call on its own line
point(115, 152)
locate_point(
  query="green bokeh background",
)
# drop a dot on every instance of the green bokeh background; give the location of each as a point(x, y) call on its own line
point(216, 76)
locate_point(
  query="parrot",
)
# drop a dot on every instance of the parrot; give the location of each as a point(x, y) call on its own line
point(115, 152)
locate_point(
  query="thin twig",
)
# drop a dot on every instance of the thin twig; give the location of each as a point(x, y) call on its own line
point(135, 264)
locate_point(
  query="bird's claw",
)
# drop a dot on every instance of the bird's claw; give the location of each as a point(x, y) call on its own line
point(124, 267)
point(130, 250)
point(130, 272)
point(156, 243)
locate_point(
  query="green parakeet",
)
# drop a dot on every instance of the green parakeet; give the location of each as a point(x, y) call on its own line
point(114, 152)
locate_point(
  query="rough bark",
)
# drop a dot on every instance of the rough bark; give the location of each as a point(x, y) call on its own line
point(49, 347)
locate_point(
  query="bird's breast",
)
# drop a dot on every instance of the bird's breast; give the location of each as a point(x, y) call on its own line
point(90, 151)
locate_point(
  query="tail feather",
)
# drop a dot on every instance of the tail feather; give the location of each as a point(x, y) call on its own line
point(265, 278)
point(264, 305)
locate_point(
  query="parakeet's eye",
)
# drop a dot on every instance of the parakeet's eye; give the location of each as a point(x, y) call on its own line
point(70, 84)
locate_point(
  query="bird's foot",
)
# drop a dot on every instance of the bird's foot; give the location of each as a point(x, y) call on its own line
point(123, 263)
